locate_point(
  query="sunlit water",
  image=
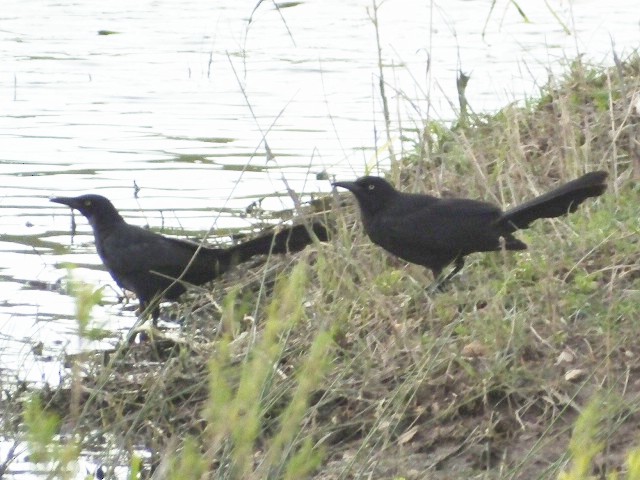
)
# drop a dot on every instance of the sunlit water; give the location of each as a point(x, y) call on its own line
point(182, 95)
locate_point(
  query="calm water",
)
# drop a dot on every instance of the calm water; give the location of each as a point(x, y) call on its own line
point(181, 96)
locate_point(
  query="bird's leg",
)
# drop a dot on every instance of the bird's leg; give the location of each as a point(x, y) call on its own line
point(148, 307)
point(457, 266)
point(439, 282)
point(144, 308)
point(155, 314)
point(435, 285)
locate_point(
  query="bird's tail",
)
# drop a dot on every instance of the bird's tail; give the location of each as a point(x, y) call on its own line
point(555, 203)
point(292, 239)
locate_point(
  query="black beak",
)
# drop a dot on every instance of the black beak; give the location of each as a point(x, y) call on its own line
point(70, 202)
point(351, 186)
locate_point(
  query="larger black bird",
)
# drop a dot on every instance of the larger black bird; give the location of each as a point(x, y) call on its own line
point(153, 266)
point(435, 232)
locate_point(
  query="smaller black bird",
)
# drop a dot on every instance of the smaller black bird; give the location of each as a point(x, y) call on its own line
point(154, 266)
point(435, 232)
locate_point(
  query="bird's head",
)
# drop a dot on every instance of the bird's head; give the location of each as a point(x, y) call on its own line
point(372, 193)
point(97, 209)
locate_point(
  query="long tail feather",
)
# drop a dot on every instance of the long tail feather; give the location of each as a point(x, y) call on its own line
point(558, 202)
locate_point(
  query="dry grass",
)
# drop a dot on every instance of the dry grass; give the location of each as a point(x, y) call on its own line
point(334, 363)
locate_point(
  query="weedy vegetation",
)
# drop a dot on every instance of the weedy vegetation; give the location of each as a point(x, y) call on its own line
point(336, 363)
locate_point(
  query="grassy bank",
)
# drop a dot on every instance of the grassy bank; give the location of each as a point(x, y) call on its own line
point(336, 363)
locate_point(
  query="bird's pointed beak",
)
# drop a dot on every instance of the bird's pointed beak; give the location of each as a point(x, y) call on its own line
point(351, 186)
point(70, 202)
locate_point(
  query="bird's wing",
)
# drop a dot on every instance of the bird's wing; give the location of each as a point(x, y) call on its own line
point(446, 225)
point(130, 250)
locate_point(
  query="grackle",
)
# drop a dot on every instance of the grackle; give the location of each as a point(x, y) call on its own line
point(435, 232)
point(154, 266)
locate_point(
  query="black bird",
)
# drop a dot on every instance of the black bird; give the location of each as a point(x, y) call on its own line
point(435, 232)
point(153, 266)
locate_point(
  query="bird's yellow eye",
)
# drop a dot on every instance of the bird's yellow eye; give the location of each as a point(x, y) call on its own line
point(371, 186)
point(87, 203)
